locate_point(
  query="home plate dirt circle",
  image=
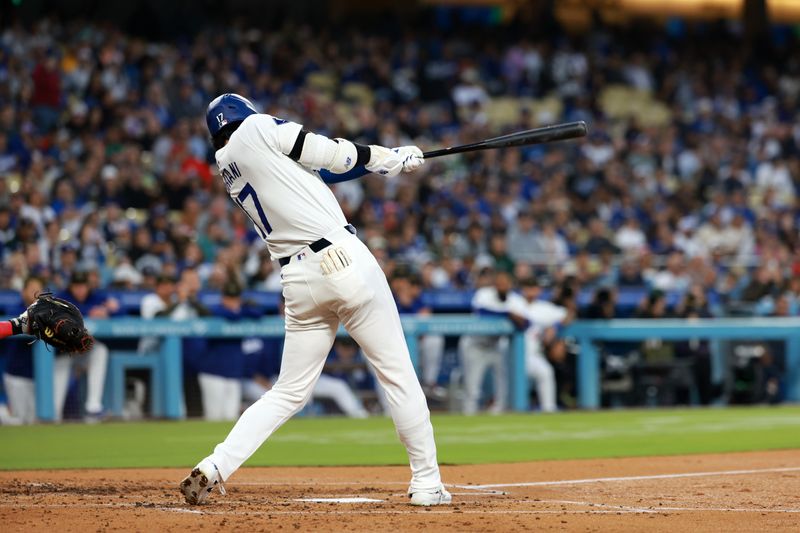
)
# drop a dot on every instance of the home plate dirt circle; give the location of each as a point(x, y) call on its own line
point(724, 492)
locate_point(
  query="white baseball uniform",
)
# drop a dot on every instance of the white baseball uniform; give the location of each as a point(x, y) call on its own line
point(292, 207)
point(480, 353)
point(542, 315)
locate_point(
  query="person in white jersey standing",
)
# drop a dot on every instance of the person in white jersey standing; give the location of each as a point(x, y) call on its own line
point(277, 172)
point(543, 319)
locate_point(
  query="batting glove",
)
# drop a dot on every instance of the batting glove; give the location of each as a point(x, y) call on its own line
point(335, 260)
point(384, 161)
point(412, 157)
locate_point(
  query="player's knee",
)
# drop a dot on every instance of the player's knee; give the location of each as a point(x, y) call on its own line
point(293, 397)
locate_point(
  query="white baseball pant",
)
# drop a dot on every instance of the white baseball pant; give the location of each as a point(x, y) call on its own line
point(96, 362)
point(541, 371)
point(359, 297)
point(21, 394)
point(221, 396)
point(476, 359)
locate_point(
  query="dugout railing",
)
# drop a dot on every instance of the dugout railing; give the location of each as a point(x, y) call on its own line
point(586, 333)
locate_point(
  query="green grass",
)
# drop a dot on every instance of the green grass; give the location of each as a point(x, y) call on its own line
point(482, 439)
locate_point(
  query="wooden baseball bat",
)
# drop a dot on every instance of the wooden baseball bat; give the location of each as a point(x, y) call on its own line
point(546, 134)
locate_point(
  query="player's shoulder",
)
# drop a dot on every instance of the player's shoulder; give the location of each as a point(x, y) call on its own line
point(262, 128)
point(262, 121)
point(248, 126)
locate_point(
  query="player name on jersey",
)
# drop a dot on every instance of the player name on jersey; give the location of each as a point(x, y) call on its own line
point(230, 174)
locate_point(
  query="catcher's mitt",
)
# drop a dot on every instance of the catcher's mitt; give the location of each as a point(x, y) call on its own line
point(58, 323)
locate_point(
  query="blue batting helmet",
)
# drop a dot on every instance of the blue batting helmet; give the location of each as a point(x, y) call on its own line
point(227, 109)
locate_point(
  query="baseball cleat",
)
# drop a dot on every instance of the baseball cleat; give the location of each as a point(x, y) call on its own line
point(197, 486)
point(426, 499)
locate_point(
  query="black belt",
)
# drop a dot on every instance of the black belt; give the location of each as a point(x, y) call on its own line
point(317, 246)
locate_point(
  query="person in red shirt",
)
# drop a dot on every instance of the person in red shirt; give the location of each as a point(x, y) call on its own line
point(46, 96)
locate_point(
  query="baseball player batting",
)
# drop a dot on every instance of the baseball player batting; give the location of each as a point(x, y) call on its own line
point(276, 171)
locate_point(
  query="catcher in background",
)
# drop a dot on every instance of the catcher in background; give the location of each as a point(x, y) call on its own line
point(55, 321)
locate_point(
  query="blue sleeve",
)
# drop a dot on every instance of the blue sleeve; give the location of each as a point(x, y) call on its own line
point(99, 298)
point(354, 173)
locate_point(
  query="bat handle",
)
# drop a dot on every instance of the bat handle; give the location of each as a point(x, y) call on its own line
point(450, 150)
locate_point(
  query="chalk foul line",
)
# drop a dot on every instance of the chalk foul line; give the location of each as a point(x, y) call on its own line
point(627, 478)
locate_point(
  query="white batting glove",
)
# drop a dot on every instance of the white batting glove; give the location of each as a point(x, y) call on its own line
point(384, 161)
point(334, 260)
point(413, 158)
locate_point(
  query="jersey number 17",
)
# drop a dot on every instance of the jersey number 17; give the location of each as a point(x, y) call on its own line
point(261, 224)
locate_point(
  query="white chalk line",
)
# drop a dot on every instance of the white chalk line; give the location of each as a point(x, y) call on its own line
point(728, 509)
point(486, 487)
point(628, 478)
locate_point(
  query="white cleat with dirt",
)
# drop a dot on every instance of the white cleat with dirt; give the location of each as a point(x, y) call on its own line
point(426, 499)
point(198, 485)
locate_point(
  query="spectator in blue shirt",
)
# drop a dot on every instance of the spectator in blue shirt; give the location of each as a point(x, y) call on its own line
point(221, 367)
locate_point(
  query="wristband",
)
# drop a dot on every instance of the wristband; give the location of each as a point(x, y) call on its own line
point(364, 154)
point(7, 329)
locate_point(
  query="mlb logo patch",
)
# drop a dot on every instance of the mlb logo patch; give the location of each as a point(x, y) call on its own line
point(300, 257)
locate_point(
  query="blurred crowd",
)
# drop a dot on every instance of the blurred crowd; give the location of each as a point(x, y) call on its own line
point(105, 165)
point(107, 181)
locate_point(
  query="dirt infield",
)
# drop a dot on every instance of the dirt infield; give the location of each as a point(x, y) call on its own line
point(724, 492)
